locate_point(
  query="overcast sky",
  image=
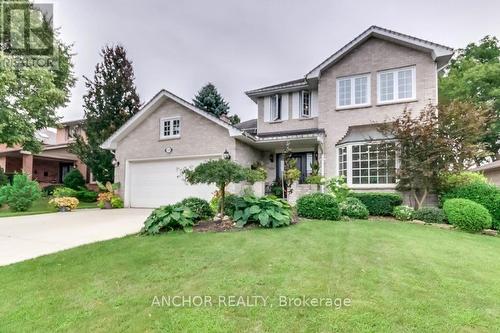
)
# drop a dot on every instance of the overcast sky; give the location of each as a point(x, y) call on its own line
point(242, 45)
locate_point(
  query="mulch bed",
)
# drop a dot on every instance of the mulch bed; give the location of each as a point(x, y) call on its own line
point(228, 226)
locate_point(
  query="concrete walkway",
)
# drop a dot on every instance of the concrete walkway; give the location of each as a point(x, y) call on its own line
point(26, 237)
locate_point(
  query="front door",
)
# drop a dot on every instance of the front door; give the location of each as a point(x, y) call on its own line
point(64, 169)
point(303, 163)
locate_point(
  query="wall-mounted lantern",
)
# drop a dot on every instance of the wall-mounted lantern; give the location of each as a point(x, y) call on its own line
point(226, 155)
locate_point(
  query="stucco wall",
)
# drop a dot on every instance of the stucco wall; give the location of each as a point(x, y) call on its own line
point(493, 176)
point(372, 56)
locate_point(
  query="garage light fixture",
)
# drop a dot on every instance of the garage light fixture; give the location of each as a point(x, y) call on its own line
point(115, 162)
point(226, 155)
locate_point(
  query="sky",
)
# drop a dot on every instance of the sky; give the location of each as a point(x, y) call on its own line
point(242, 45)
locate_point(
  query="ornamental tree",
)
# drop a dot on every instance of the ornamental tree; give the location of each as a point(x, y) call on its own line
point(220, 172)
point(29, 94)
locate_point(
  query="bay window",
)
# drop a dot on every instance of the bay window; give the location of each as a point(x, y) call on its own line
point(396, 85)
point(353, 91)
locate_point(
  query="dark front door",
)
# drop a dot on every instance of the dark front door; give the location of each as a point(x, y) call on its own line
point(64, 168)
point(303, 163)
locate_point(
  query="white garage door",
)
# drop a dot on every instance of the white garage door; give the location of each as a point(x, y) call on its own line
point(155, 183)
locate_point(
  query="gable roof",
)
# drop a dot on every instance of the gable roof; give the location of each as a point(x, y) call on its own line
point(150, 107)
point(489, 166)
point(440, 53)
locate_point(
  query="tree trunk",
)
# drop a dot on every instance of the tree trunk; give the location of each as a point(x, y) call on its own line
point(422, 199)
point(222, 198)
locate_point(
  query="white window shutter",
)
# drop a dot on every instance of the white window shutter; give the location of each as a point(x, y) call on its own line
point(284, 106)
point(296, 105)
point(314, 103)
point(267, 109)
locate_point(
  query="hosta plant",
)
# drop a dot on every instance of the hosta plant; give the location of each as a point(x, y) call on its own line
point(269, 212)
point(403, 213)
point(169, 218)
point(64, 203)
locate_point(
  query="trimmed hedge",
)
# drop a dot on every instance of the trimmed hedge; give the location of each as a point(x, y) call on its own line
point(467, 214)
point(74, 179)
point(318, 206)
point(487, 195)
point(379, 203)
point(353, 207)
point(430, 215)
point(86, 196)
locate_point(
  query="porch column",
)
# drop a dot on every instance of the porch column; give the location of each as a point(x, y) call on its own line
point(3, 163)
point(83, 169)
point(28, 165)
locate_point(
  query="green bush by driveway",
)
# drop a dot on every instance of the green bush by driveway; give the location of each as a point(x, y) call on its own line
point(400, 278)
point(467, 214)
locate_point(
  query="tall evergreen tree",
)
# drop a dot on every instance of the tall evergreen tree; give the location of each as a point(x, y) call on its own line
point(110, 101)
point(209, 99)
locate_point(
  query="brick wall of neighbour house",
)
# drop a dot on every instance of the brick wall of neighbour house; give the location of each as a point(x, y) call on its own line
point(372, 56)
point(285, 125)
point(199, 136)
point(13, 164)
point(46, 171)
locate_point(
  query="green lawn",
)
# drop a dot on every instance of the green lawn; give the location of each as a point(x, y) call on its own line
point(400, 277)
point(40, 206)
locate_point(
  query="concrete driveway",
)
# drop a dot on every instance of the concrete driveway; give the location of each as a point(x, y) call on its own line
point(26, 237)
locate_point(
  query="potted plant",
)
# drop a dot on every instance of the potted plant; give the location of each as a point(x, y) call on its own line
point(108, 196)
point(64, 204)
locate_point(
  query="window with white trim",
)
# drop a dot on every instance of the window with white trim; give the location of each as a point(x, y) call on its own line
point(396, 85)
point(305, 104)
point(170, 128)
point(343, 161)
point(276, 107)
point(353, 91)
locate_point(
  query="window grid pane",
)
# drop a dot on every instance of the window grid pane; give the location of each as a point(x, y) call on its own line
point(343, 161)
point(166, 128)
point(374, 165)
point(344, 92)
point(386, 86)
point(176, 127)
point(361, 90)
point(305, 104)
point(405, 89)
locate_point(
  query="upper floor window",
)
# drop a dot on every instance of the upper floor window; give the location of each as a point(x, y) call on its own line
point(396, 85)
point(170, 128)
point(305, 104)
point(275, 107)
point(353, 91)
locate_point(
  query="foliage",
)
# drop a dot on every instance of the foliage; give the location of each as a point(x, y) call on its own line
point(426, 150)
point(220, 172)
point(450, 181)
point(108, 187)
point(430, 215)
point(379, 203)
point(110, 101)
point(61, 192)
point(209, 99)
point(315, 179)
point(169, 218)
point(353, 207)
point(49, 189)
point(85, 195)
point(289, 163)
point(199, 206)
point(20, 194)
point(292, 175)
point(403, 213)
point(487, 195)
point(337, 187)
point(267, 211)
point(116, 202)
point(276, 188)
point(474, 75)
point(467, 214)
point(234, 119)
point(64, 202)
point(318, 206)
point(74, 179)
point(30, 95)
point(4, 180)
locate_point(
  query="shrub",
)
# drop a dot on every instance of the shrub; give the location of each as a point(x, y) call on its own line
point(86, 196)
point(450, 181)
point(199, 206)
point(487, 195)
point(337, 187)
point(20, 194)
point(116, 202)
point(4, 180)
point(66, 202)
point(60, 192)
point(403, 213)
point(353, 207)
point(318, 206)
point(74, 179)
point(49, 189)
point(430, 215)
point(467, 214)
point(276, 188)
point(169, 218)
point(267, 211)
point(379, 203)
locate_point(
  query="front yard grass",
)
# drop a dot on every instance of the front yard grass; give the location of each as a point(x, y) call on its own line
point(40, 206)
point(400, 277)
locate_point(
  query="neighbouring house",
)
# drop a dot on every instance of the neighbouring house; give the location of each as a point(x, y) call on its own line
point(52, 164)
point(490, 171)
point(329, 116)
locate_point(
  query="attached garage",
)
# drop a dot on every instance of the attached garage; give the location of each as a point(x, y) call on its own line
point(154, 183)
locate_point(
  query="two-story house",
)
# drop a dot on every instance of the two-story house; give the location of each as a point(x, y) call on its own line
point(329, 116)
point(51, 165)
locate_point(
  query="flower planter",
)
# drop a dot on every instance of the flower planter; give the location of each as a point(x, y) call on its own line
point(107, 205)
point(64, 209)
